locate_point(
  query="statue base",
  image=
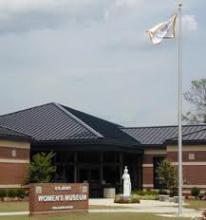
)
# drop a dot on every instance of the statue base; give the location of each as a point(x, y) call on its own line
point(125, 198)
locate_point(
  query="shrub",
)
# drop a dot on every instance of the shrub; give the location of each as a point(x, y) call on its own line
point(139, 192)
point(21, 193)
point(122, 200)
point(41, 169)
point(203, 215)
point(11, 193)
point(201, 196)
point(147, 192)
point(3, 193)
point(135, 199)
point(151, 192)
point(168, 176)
point(195, 191)
point(148, 197)
point(163, 192)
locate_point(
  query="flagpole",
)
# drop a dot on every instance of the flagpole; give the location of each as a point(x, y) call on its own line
point(180, 175)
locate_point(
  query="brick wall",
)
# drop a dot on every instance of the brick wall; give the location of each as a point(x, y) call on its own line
point(195, 175)
point(13, 173)
point(147, 177)
point(8, 152)
point(194, 165)
point(14, 161)
point(189, 156)
point(148, 169)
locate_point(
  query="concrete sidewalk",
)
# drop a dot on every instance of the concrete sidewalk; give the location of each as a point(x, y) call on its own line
point(13, 213)
point(145, 206)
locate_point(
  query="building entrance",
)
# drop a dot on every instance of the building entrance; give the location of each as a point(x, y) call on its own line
point(91, 174)
point(99, 169)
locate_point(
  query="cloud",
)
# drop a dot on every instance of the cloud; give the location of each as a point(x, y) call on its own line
point(190, 22)
point(119, 5)
point(22, 5)
point(127, 3)
point(24, 15)
point(65, 51)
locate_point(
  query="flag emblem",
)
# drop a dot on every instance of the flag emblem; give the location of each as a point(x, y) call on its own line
point(163, 30)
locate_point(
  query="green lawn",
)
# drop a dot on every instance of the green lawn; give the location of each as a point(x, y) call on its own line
point(14, 206)
point(196, 204)
point(24, 206)
point(95, 216)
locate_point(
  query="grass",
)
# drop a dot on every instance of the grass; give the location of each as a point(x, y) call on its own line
point(94, 216)
point(24, 206)
point(14, 206)
point(196, 204)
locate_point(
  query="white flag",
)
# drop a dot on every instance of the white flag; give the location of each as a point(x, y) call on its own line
point(164, 30)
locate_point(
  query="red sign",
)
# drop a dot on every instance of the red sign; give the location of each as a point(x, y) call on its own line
point(58, 197)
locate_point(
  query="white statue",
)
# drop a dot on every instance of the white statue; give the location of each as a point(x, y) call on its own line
point(126, 183)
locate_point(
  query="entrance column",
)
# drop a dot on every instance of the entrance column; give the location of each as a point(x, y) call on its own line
point(121, 166)
point(75, 166)
point(101, 167)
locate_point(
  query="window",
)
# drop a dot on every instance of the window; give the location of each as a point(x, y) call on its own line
point(13, 153)
point(191, 156)
point(156, 162)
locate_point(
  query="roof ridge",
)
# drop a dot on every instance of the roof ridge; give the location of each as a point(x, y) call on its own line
point(49, 103)
point(194, 132)
point(94, 116)
point(159, 126)
point(11, 129)
point(183, 135)
point(162, 126)
point(78, 120)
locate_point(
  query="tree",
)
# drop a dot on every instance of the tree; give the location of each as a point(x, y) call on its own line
point(41, 169)
point(167, 176)
point(196, 96)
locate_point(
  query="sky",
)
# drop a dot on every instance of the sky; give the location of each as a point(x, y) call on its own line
point(94, 56)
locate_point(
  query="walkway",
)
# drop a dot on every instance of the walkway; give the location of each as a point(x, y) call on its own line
point(145, 206)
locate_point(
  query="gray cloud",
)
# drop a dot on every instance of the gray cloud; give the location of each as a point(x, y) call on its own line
point(68, 52)
point(21, 15)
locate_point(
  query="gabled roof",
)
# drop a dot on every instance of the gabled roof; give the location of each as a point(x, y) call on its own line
point(159, 134)
point(6, 133)
point(55, 122)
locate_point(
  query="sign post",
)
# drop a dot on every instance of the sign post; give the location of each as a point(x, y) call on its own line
point(54, 198)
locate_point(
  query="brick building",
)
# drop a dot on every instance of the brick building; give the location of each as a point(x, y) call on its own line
point(93, 150)
point(14, 158)
point(161, 142)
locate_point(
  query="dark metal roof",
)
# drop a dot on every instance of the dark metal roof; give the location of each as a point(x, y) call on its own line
point(54, 122)
point(158, 135)
point(199, 135)
point(46, 122)
point(6, 133)
point(105, 128)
